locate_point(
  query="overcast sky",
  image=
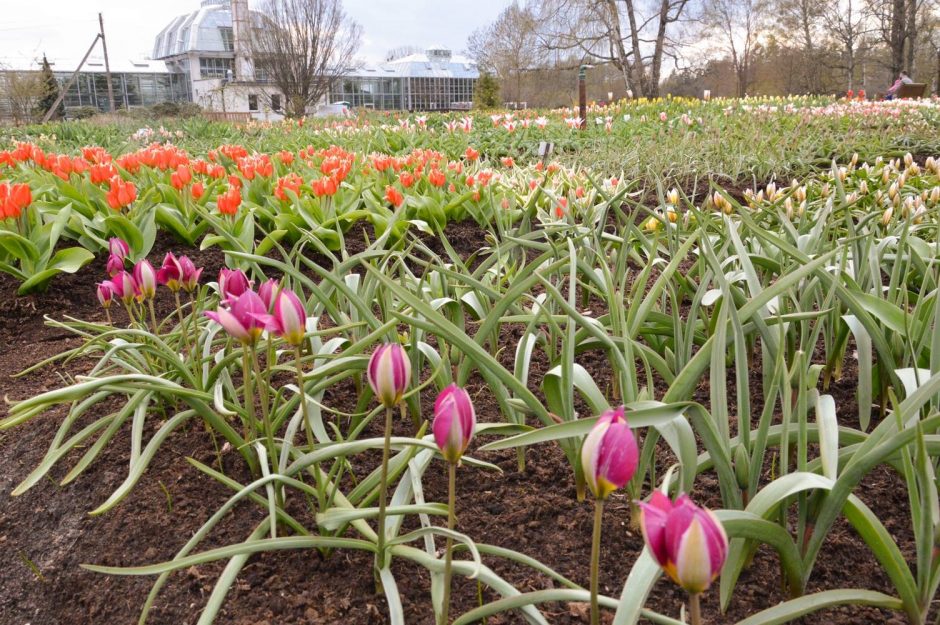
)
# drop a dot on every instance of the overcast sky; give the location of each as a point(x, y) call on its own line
point(65, 28)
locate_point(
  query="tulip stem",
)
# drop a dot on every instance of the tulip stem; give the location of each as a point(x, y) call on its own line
point(303, 396)
point(153, 317)
point(107, 312)
point(265, 418)
point(449, 545)
point(383, 489)
point(695, 610)
point(249, 402)
point(596, 559)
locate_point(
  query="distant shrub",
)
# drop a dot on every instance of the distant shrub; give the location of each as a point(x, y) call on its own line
point(82, 112)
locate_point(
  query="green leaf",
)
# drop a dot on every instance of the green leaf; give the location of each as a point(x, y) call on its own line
point(795, 608)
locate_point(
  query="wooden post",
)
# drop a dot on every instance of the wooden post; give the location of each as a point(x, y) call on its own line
point(582, 96)
point(69, 84)
point(107, 66)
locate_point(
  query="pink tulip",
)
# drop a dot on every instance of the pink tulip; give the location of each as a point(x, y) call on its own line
point(146, 277)
point(388, 373)
point(115, 265)
point(189, 275)
point(609, 455)
point(289, 320)
point(105, 293)
point(170, 272)
point(125, 287)
point(243, 321)
point(454, 420)
point(268, 291)
point(232, 284)
point(119, 247)
point(689, 542)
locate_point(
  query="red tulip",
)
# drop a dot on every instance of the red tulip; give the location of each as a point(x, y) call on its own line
point(121, 194)
point(125, 287)
point(394, 196)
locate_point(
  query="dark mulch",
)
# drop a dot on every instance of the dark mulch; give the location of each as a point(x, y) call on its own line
point(46, 533)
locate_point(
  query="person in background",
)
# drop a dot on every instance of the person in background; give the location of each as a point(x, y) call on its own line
point(903, 79)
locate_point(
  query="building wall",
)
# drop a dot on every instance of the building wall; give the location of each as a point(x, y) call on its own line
point(217, 95)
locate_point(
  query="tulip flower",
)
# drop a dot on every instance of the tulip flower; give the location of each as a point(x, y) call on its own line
point(689, 542)
point(268, 291)
point(388, 373)
point(189, 275)
point(609, 455)
point(609, 458)
point(121, 193)
point(454, 421)
point(119, 247)
point(146, 278)
point(289, 320)
point(115, 265)
point(244, 320)
point(232, 284)
point(170, 272)
point(125, 287)
point(106, 294)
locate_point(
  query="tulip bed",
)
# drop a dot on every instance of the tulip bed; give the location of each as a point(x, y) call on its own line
point(370, 335)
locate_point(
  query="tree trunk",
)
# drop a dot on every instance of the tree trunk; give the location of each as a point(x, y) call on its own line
point(898, 23)
point(911, 34)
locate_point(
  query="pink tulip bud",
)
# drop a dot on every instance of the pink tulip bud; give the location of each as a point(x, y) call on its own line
point(115, 265)
point(268, 291)
point(170, 272)
point(232, 284)
point(454, 420)
point(689, 542)
point(105, 293)
point(189, 275)
point(609, 455)
point(125, 287)
point(119, 247)
point(388, 373)
point(245, 319)
point(289, 320)
point(146, 277)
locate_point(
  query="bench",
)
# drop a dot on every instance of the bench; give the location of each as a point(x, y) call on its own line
point(911, 90)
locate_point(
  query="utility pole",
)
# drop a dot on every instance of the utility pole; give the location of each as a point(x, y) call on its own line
point(71, 82)
point(107, 66)
point(582, 94)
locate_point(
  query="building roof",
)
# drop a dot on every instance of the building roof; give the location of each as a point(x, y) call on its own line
point(199, 30)
point(95, 63)
point(435, 62)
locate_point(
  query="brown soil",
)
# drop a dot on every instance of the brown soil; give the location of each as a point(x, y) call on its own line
point(46, 533)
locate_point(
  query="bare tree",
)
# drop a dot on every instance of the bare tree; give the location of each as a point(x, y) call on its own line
point(22, 92)
point(898, 24)
point(736, 21)
point(303, 47)
point(507, 48)
point(848, 22)
point(799, 25)
point(401, 51)
point(635, 37)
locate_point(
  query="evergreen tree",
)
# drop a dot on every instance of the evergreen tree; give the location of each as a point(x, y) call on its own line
point(50, 91)
point(486, 93)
